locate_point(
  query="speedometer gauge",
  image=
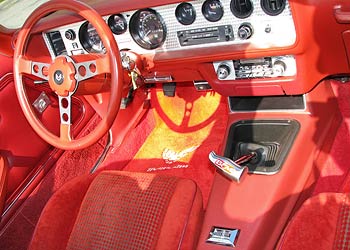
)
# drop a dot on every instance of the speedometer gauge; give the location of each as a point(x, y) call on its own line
point(147, 28)
point(90, 40)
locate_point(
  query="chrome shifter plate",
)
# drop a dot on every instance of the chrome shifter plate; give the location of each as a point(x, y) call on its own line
point(223, 236)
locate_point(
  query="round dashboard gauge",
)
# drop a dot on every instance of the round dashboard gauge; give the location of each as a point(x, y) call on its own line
point(147, 28)
point(117, 23)
point(90, 40)
point(185, 13)
point(212, 10)
point(241, 9)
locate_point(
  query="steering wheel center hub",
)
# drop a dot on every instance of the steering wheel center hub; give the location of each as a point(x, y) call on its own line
point(58, 77)
point(62, 76)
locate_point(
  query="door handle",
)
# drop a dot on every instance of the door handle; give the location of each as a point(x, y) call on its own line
point(341, 15)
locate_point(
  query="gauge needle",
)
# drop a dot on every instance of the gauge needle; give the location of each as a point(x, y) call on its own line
point(148, 32)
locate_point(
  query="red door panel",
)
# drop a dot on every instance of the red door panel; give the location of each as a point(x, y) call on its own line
point(22, 147)
point(18, 142)
point(5, 65)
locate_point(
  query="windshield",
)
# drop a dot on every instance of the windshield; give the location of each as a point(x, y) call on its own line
point(13, 13)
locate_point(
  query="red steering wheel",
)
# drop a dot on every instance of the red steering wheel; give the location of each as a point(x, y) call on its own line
point(64, 74)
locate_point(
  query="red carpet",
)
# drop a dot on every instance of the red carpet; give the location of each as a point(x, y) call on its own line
point(335, 175)
point(117, 158)
point(18, 232)
point(187, 127)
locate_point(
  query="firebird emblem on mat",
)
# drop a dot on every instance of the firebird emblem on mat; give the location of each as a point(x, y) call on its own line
point(170, 156)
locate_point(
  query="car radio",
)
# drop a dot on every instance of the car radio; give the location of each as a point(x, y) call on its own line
point(256, 68)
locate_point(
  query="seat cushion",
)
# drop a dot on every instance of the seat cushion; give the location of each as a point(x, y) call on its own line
point(322, 222)
point(121, 210)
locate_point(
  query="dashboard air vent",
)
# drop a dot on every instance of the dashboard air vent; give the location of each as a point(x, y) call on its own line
point(241, 8)
point(57, 43)
point(273, 7)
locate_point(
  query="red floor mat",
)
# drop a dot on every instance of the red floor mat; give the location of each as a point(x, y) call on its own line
point(18, 232)
point(187, 127)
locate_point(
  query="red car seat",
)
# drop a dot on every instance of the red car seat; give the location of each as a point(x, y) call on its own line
point(121, 210)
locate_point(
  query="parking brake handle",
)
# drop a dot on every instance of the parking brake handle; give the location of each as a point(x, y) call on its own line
point(231, 169)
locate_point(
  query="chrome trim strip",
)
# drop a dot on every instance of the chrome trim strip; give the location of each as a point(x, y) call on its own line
point(103, 155)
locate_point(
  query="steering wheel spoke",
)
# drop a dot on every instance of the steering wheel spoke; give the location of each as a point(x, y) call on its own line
point(65, 132)
point(65, 117)
point(91, 68)
point(38, 69)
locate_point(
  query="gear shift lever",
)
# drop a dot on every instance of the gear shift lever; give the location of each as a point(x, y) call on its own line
point(230, 168)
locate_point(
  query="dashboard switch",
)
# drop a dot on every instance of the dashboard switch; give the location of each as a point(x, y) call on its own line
point(245, 31)
point(223, 71)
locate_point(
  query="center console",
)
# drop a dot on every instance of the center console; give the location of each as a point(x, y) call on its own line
point(290, 137)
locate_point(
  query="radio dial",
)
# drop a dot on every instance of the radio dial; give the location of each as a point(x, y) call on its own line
point(245, 31)
point(279, 67)
point(223, 71)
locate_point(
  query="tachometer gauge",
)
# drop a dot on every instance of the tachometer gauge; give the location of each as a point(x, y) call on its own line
point(117, 23)
point(212, 10)
point(147, 28)
point(90, 40)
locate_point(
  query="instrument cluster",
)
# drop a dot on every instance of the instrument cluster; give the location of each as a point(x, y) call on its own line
point(195, 24)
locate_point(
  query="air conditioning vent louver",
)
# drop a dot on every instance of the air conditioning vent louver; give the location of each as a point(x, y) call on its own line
point(57, 43)
point(241, 8)
point(273, 7)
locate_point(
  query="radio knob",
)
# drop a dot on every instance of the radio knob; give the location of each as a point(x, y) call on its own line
point(245, 31)
point(279, 67)
point(223, 71)
point(70, 34)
